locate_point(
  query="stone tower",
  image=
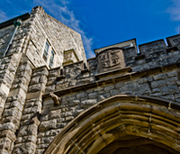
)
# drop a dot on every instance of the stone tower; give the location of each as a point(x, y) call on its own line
point(53, 100)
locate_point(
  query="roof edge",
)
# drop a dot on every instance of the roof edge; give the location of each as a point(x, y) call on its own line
point(11, 21)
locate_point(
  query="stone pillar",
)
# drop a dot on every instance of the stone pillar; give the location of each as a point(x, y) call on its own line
point(14, 107)
point(27, 135)
point(8, 67)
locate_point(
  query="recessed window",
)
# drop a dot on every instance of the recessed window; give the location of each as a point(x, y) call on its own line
point(48, 54)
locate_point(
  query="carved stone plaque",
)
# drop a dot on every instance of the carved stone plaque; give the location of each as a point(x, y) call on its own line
point(110, 59)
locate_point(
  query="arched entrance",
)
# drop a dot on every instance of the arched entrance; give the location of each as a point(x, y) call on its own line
point(122, 125)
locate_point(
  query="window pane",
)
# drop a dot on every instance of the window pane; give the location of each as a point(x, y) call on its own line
point(51, 61)
point(47, 47)
point(45, 54)
point(45, 58)
point(51, 58)
point(51, 64)
point(52, 53)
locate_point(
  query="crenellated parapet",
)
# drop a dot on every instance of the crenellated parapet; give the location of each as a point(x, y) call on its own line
point(113, 60)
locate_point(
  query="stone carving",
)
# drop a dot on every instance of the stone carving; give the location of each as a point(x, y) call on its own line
point(55, 98)
point(35, 119)
point(110, 59)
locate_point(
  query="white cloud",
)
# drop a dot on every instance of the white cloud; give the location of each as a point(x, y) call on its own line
point(66, 16)
point(174, 10)
point(3, 16)
point(64, 2)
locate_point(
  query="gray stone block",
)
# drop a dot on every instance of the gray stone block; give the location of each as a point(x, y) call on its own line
point(46, 125)
point(92, 95)
point(159, 83)
point(159, 76)
point(169, 90)
point(89, 102)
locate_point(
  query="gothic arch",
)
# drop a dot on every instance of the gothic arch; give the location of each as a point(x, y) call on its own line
point(122, 123)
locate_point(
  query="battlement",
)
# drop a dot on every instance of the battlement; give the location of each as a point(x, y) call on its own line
point(154, 54)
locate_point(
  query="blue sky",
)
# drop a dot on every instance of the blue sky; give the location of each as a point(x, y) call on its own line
point(105, 22)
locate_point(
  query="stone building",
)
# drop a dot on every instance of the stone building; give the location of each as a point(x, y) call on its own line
point(52, 100)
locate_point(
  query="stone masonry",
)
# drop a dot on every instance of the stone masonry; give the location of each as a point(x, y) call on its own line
point(37, 102)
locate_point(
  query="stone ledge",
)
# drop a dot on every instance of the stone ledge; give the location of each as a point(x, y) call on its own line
point(114, 72)
point(152, 42)
point(73, 63)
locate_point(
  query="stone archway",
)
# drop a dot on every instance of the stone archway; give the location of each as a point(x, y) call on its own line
point(122, 125)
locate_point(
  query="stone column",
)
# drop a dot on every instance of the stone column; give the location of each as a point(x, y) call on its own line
point(14, 107)
point(8, 67)
point(27, 135)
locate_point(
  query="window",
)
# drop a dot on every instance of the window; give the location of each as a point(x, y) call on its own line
point(46, 50)
point(48, 54)
point(51, 61)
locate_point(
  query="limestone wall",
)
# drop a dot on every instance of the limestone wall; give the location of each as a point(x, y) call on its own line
point(8, 69)
point(73, 75)
point(10, 62)
point(154, 73)
point(161, 83)
point(13, 108)
point(20, 38)
point(31, 36)
point(40, 121)
point(28, 129)
point(80, 87)
point(60, 37)
point(5, 35)
point(16, 74)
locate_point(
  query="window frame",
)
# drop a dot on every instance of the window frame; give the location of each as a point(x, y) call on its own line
point(47, 55)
